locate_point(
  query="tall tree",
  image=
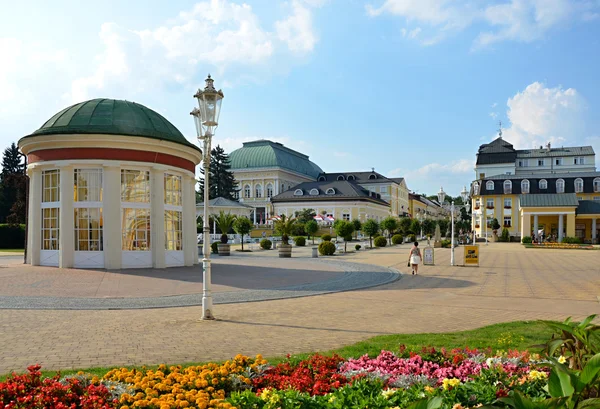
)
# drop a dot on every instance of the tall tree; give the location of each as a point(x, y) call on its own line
point(13, 185)
point(221, 180)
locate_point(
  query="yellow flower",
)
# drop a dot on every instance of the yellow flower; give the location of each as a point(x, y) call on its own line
point(332, 399)
point(537, 375)
point(562, 359)
point(450, 383)
point(457, 406)
point(388, 393)
point(429, 389)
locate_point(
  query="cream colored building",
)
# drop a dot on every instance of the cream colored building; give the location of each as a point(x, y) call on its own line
point(112, 185)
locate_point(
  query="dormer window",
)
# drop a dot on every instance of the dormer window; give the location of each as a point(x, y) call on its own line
point(314, 192)
point(475, 189)
point(330, 191)
point(525, 186)
point(489, 185)
point(321, 179)
point(373, 176)
point(351, 177)
point(560, 186)
point(597, 185)
point(298, 192)
point(341, 177)
point(507, 187)
point(543, 184)
point(578, 185)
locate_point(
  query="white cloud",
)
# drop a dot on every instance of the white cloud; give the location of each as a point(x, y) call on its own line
point(452, 176)
point(515, 20)
point(297, 30)
point(539, 115)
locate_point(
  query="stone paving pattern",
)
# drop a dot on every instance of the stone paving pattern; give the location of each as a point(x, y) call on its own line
point(512, 283)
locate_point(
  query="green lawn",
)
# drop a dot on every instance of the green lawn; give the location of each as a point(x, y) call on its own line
point(519, 335)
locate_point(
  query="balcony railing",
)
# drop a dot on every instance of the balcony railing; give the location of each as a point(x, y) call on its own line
point(507, 207)
point(506, 225)
point(489, 207)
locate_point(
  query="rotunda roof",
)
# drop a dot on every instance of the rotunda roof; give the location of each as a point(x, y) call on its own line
point(268, 154)
point(113, 117)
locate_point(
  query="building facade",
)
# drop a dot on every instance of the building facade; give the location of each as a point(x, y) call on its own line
point(271, 176)
point(558, 197)
point(112, 185)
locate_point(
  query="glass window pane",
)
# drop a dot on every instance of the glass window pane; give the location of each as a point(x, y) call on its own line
point(135, 186)
point(172, 189)
point(135, 229)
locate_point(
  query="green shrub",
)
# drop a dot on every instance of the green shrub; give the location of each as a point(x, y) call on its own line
point(326, 248)
point(214, 247)
point(505, 236)
point(446, 243)
point(12, 236)
point(326, 237)
point(300, 241)
point(526, 240)
point(265, 244)
point(571, 240)
point(376, 235)
point(380, 241)
point(357, 247)
point(412, 238)
point(397, 239)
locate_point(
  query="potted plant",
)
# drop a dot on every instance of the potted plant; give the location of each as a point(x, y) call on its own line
point(225, 222)
point(285, 226)
point(495, 227)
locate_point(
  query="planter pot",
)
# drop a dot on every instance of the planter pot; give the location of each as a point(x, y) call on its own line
point(285, 250)
point(224, 249)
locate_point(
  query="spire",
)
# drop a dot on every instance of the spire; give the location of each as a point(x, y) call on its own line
point(500, 129)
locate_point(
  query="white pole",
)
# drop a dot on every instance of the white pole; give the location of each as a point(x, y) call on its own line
point(485, 225)
point(206, 279)
point(452, 240)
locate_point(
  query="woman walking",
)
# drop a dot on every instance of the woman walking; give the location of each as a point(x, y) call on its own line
point(414, 258)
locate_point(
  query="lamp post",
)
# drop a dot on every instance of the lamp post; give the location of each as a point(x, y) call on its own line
point(465, 197)
point(206, 119)
point(420, 218)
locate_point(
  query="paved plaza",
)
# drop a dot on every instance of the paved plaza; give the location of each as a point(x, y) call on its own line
point(512, 283)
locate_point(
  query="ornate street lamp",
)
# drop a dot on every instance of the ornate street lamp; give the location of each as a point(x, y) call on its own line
point(206, 119)
point(464, 194)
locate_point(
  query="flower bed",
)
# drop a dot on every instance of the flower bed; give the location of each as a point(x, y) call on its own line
point(560, 246)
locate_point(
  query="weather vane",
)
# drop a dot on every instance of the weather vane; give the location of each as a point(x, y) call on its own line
point(500, 128)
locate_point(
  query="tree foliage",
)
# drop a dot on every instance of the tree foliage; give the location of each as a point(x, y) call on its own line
point(305, 215)
point(389, 224)
point(13, 186)
point(404, 223)
point(344, 229)
point(357, 225)
point(225, 222)
point(311, 227)
point(221, 180)
point(370, 228)
point(285, 226)
point(243, 226)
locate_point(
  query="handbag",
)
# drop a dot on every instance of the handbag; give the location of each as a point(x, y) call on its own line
point(408, 264)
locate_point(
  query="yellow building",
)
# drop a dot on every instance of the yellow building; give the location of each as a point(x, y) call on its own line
point(422, 208)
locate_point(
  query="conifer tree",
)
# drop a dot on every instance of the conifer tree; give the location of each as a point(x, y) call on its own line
point(221, 180)
point(13, 184)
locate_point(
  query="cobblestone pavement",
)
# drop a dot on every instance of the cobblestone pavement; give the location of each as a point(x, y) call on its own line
point(512, 283)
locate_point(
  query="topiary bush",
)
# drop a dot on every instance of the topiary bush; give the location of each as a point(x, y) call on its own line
point(326, 237)
point(446, 243)
point(397, 239)
point(265, 244)
point(526, 240)
point(357, 247)
point(214, 247)
point(300, 241)
point(504, 236)
point(326, 248)
point(380, 241)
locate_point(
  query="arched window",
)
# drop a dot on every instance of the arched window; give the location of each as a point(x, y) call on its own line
point(330, 191)
point(341, 177)
point(560, 186)
point(247, 191)
point(597, 185)
point(373, 176)
point(524, 186)
point(351, 177)
point(298, 192)
point(321, 179)
point(507, 187)
point(258, 191)
point(269, 190)
point(543, 184)
point(475, 189)
point(578, 185)
point(314, 192)
point(489, 185)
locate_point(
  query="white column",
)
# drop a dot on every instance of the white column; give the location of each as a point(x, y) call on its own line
point(560, 227)
point(66, 224)
point(255, 215)
point(594, 228)
point(190, 245)
point(111, 217)
point(157, 217)
point(535, 226)
point(34, 218)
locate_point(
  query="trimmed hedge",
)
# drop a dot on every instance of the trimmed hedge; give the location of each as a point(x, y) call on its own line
point(265, 244)
point(12, 236)
point(526, 240)
point(571, 240)
point(300, 241)
point(357, 247)
point(326, 248)
point(326, 237)
point(380, 242)
point(397, 239)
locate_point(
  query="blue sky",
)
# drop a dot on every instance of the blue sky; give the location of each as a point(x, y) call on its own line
point(409, 87)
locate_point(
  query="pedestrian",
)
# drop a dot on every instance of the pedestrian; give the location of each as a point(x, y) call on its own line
point(414, 258)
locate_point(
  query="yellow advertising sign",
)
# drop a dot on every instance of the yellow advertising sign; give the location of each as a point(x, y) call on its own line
point(472, 255)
